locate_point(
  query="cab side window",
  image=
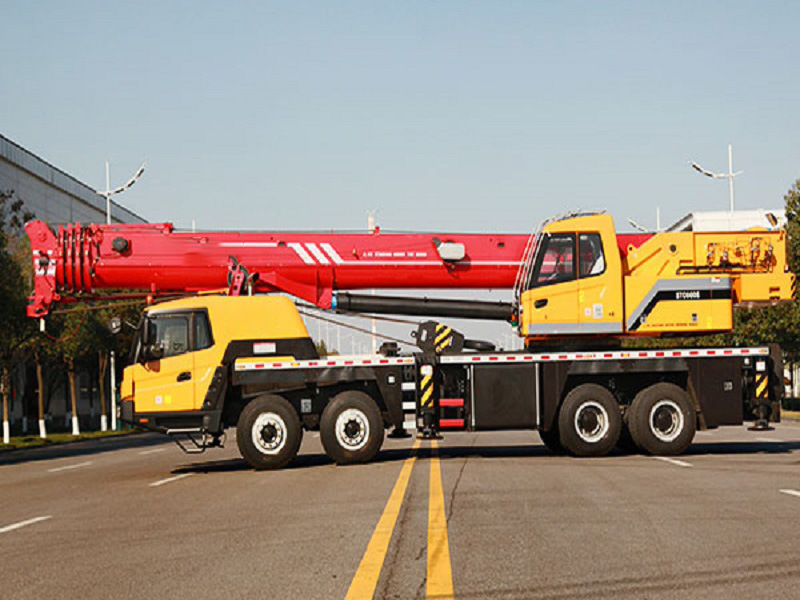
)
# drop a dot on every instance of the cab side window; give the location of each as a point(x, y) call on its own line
point(590, 251)
point(171, 334)
point(202, 331)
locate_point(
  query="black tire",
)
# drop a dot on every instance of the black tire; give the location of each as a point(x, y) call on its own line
point(662, 419)
point(552, 440)
point(268, 432)
point(589, 421)
point(351, 428)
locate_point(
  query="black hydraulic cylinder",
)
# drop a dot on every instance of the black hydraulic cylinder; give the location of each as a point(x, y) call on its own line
point(427, 307)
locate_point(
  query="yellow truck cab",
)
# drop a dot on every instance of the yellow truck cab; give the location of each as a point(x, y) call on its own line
point(205, 363)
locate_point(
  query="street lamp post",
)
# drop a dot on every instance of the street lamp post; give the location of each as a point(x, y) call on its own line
point(108, 192)
point(729, 175)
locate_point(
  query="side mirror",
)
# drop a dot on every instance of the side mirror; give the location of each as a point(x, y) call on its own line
point(150, 352)
point(115, 325)
point(154, 352)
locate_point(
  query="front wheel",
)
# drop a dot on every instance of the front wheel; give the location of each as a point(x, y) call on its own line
point(351, 428)
point(589, 421)
point(269, 432)
point(662, 419)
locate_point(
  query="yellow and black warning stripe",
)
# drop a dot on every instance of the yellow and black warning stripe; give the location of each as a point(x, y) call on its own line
point(444, 337)
point(762, 387)
point(426, 391)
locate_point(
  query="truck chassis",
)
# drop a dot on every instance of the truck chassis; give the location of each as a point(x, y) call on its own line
point(585, 403)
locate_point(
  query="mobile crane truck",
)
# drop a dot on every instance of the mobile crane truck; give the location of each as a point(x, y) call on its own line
point(210, 362)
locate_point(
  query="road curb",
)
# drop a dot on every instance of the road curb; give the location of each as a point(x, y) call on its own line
point(4, 451)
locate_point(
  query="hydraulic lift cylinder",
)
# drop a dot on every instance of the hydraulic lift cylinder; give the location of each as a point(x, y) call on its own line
point(428, 307)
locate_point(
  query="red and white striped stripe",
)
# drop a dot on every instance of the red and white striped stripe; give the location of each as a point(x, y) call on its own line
point(378, 361)
point(600, 355)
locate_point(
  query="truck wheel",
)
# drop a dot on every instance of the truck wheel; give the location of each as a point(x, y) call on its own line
point(589, 421)
point(268, 432)
point(552, 440)
point(351, 428)
point(662, 419)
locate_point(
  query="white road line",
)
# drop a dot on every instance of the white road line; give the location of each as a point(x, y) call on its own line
point(14, 526)
point(168, 479)
point(673, 461)
point(774, 440)
point(70, 467)
point(153, 451)
point(703, 433)
point(791, 492)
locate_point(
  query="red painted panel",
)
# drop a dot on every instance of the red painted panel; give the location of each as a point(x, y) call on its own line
point(451, 402)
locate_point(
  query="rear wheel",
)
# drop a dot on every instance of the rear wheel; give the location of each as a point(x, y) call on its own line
point(269, 432)
point(589, 422)
point(351, 428)
point(662, 419)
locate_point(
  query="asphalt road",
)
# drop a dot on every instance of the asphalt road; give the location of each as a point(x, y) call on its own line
point(490, 515)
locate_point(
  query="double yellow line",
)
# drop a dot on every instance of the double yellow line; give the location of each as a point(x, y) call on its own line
point(439, 573)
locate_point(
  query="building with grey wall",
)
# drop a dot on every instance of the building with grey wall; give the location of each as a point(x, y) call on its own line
point(56, 197)
point(50, 193)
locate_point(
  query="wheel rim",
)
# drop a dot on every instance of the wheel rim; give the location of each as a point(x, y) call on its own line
point(666, 420)
point(352, 429)
point(269, 433)
point(591, 422)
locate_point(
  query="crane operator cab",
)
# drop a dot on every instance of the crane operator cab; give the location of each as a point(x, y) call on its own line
point(573, 280)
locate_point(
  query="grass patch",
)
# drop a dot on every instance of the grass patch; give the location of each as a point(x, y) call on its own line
point(52, 439)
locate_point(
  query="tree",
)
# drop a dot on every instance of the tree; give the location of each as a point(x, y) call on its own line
point(15, 327)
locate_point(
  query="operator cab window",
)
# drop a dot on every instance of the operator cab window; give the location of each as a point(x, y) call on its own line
point(556, 260)
point(590, 251)
point(171, 334)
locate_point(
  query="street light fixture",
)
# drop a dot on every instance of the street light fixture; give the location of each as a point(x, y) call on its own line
point(729, 175)
point(108, 192)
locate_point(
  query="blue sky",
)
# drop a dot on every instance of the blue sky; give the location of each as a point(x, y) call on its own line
point(442, 115)
point(465, 116)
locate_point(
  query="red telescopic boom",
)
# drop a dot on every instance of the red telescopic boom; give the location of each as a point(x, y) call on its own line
point(155, 258)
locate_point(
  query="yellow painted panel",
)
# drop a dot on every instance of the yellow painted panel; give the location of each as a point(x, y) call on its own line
point(695, 316)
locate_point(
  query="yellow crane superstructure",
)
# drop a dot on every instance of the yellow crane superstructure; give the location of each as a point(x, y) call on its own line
point(577, 282)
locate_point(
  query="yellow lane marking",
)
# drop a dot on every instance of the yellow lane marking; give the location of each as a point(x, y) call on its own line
point(366, 578)
point(440, 571)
